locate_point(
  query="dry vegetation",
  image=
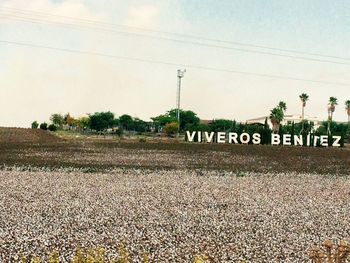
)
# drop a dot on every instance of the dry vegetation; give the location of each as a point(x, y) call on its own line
point(331, 253)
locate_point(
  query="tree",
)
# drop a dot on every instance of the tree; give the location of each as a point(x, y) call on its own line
point(52, 127)
point(83, 123)
point(333, 101)
point(255, 128)
point(304, 127)
point(101, 120)
point(35, 125)
point(280, 132)
point(126, 122)
point(277, 115)
point(200, 127)
point(57, 119)
point(292, 132)
point(171, 128)
point(304, 98)
point(336, 128)
point(161, 120)
point(187, 118)
point(266, 133)
point(43, 126)
point(69, 120)
point(282, 105)
point(140, 125)
point(222, 125)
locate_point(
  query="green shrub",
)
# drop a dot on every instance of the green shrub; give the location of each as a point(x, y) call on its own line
point(35, 125)
point(171, 128)
point(52, 127)
point(43, 126)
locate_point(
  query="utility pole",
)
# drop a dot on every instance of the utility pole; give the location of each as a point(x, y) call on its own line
point(180, 75)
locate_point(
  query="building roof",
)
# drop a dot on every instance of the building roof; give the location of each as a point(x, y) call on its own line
point(206, 122)
point(287, 117)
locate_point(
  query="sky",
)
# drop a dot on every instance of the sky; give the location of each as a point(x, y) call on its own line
point(89, 56)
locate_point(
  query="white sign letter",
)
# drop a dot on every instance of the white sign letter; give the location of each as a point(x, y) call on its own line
point(221, 137)
point(275, 139)
point(232, 137)
point(287, 139)
point(190, 137)
point(298, 140)
point(324, 140)
point(256, 138)
point(209, 138)
point(246, 139)
point(336, 141)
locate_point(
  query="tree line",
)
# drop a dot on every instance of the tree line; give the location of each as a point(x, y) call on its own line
point(102, 122)
point(108, 122)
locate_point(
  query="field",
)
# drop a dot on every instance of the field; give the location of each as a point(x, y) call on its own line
point(172, 200)
point(106, 154)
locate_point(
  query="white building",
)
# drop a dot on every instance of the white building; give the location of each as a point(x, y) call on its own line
point(288, 120)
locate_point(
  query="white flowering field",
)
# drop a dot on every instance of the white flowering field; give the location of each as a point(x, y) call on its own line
point(173, 215)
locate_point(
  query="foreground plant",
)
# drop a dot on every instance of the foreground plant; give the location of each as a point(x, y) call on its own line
point(202, 259)
point(97, 255)
point(330, 253)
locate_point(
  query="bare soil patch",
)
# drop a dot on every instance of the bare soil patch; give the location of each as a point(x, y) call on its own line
point(102, 155)
point(19, 135)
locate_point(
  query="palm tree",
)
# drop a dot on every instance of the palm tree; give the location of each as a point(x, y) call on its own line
point(331, 108)
point(277, 115)
point(347, 107)
point(304, 98)
point(282, 105)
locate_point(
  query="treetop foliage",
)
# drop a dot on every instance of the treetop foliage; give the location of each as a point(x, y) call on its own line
point(100, 121)
point(189, 121)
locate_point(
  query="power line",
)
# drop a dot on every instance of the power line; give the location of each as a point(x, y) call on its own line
point(174, 33)
point(39, 21)
point(26, 12)
point(172, 63)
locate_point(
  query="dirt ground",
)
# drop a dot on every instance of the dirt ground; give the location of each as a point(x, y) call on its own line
point(105, 154)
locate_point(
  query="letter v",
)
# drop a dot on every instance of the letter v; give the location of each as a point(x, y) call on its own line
point(190, 137)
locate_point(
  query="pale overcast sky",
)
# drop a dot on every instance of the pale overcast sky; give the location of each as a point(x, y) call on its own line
point(36, 82)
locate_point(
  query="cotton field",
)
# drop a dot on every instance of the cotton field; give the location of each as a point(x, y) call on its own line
point(172, 214)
